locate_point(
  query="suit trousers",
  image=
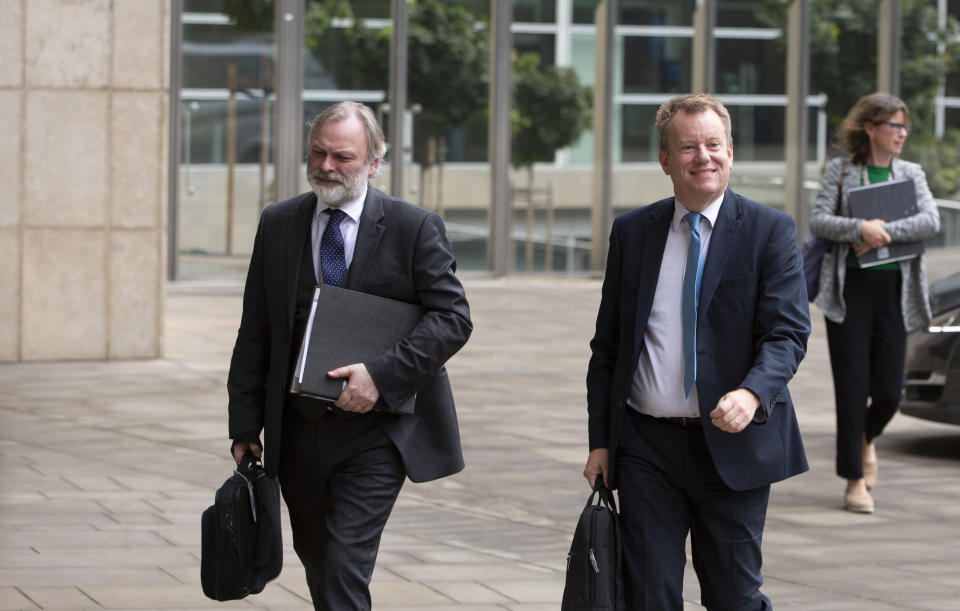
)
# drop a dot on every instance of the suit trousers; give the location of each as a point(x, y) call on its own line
point(867, 354)
point(668, 487)
point(340, 478)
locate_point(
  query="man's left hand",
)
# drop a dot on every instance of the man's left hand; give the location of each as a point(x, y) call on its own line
point(735, 410)
point(360, 393)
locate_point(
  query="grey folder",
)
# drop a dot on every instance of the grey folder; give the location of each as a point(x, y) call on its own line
point(891, 200)
point(347, 327)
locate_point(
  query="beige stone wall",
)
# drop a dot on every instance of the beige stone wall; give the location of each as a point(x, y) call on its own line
point(83, 178)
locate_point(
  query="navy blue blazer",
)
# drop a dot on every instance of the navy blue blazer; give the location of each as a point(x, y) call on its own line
point(401, 253)
point(752, 327)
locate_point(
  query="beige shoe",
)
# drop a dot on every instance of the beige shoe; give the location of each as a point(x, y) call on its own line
point(858, 501)
point(870, 474)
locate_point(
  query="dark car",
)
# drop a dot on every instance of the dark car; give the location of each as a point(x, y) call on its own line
point(932, 389)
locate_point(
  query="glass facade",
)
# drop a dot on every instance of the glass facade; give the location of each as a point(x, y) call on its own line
point(227, 122)
point(229, 98)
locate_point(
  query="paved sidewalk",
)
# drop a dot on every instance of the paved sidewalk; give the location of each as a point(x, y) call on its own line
point(105, 468)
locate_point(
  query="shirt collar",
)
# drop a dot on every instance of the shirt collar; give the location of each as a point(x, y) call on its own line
point(711, 212)
point(353, 208)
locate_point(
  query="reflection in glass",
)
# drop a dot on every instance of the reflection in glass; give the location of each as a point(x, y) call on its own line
point(350, 58)
point(227, 93)
point(656, 64)
point(750, 66)
point(541, 44)
point(583, 11)
point(638, 134)
point(655, 12)
point(952, 118)
point(742, 13)
point(534, 11)
point(952, 85)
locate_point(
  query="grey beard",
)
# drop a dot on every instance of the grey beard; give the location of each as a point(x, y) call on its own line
point(337, 195)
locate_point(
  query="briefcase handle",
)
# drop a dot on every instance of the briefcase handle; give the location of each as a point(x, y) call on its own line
point(247, 464)
point(605, 495)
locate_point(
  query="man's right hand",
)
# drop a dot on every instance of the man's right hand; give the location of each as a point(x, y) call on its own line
point(239, 449)
point(597, 463)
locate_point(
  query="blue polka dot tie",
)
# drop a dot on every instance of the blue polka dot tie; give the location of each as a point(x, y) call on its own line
point(691, 296)
point(332, 261)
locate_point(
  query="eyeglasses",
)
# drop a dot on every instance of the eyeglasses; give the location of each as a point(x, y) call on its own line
point(898, 126)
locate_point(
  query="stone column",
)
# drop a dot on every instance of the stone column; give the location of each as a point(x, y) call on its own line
point(83, 94)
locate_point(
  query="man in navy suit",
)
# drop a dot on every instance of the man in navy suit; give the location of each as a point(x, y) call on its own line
point(341, 465)
point(703, 320)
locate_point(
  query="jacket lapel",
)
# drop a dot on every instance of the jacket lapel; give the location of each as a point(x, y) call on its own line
point(297, 230)
point(722, 240)
point(369, 233)
point(653, 240)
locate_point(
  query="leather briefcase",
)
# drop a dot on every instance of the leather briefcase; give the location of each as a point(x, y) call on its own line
point(594, 574)
point(241, 544)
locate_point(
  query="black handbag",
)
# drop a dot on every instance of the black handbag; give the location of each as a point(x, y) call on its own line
point(594, 578)
point(813, 249)
point(241, 544)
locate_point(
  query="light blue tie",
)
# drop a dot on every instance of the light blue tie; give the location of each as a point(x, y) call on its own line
point(691, 297)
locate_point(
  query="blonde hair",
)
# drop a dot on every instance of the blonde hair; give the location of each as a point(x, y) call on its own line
point(692, 103)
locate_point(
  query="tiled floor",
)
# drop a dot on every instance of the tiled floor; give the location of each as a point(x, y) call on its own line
point(105, 468)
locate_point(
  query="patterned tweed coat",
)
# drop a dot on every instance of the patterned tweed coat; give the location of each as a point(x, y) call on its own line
point(836, 225)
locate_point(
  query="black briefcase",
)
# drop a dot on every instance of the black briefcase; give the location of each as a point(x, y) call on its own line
point(594, 573)
point(241, 545)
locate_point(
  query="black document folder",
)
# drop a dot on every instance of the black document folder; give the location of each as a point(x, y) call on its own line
point(889, 201)
point(347, 327)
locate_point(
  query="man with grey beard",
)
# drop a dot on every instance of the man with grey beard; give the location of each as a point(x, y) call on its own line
point(341, 464)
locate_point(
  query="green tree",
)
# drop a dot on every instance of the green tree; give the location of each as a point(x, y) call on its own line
point(448, 53)
point(550, 111)
point(449, 64)
point(843, 43)
point(448, 61)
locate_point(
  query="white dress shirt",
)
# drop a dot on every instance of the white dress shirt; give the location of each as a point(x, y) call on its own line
point(348, 229)
point(658, 382)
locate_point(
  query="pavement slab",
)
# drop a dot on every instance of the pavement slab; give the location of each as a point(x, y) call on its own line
point(106, 470)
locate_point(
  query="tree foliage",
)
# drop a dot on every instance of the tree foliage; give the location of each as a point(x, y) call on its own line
point(843, 59)
point(550, 110)
point(449, 64)
point(448, 71)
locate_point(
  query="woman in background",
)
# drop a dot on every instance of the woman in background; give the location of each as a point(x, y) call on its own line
point(869, 310)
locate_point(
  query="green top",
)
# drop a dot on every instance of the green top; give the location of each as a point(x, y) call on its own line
point(875, 174)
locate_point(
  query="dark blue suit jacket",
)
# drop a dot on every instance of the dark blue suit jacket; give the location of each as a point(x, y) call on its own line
point(752, 329)
point(401, 253)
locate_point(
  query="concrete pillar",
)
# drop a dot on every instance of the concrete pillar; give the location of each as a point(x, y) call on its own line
point(888, 47)
point(704, 65)
point(398, 93)
point(601, 217)
point(499, 242)
point(290, 128)
point(83, 106)
point(797, 123)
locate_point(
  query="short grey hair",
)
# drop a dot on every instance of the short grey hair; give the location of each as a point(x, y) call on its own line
point(376, 144)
